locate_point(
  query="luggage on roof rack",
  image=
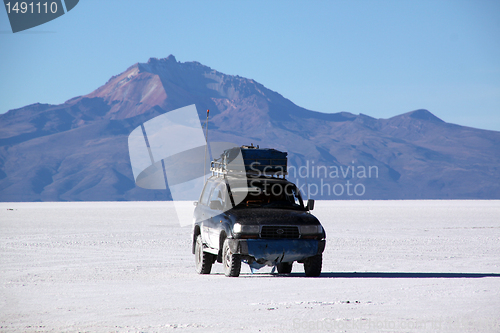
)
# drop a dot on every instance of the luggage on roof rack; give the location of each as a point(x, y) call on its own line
point(256, 162)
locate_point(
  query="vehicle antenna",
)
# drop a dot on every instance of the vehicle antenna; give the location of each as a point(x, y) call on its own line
point(308, 194)
point(206, 146)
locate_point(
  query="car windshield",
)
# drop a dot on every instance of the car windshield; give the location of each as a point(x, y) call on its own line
point(271, 194)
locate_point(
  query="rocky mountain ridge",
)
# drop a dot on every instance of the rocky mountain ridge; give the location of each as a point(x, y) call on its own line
point(78, 150)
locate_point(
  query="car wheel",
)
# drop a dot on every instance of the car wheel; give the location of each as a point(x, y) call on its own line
point(203, 260)
point(312, 265)
point(231, 261)
point(285, 267)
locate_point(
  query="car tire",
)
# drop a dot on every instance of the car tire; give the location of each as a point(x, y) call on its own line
point(285, 267)
point(312, 265)
point(231, 261)
point(203, 260)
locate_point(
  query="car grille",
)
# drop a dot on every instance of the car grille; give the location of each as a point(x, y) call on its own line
point(276, 231)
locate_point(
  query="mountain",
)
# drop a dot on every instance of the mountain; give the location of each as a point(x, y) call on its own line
point(78, 150)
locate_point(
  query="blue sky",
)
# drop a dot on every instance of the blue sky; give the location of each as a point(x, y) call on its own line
point(380, 58)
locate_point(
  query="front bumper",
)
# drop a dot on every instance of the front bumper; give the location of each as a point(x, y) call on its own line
point(277, 250)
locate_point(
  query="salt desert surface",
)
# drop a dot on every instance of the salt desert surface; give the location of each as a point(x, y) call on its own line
point(389, 266)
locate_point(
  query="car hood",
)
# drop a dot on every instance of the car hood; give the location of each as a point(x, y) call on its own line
point(271, 216)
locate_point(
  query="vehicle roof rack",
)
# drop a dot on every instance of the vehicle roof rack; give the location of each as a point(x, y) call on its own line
point(257, 162)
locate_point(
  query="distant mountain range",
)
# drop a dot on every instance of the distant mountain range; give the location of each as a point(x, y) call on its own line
point(78, 150)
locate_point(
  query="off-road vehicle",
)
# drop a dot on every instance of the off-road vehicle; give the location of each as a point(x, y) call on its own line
point(255, 216)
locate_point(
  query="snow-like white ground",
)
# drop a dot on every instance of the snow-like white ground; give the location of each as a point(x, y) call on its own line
point(389, 266)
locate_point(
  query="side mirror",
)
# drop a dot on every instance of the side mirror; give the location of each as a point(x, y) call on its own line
point(215, 205)
point(310, 204)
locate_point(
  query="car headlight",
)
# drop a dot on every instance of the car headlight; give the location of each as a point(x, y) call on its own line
point(245, 229)
point(311, 229)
